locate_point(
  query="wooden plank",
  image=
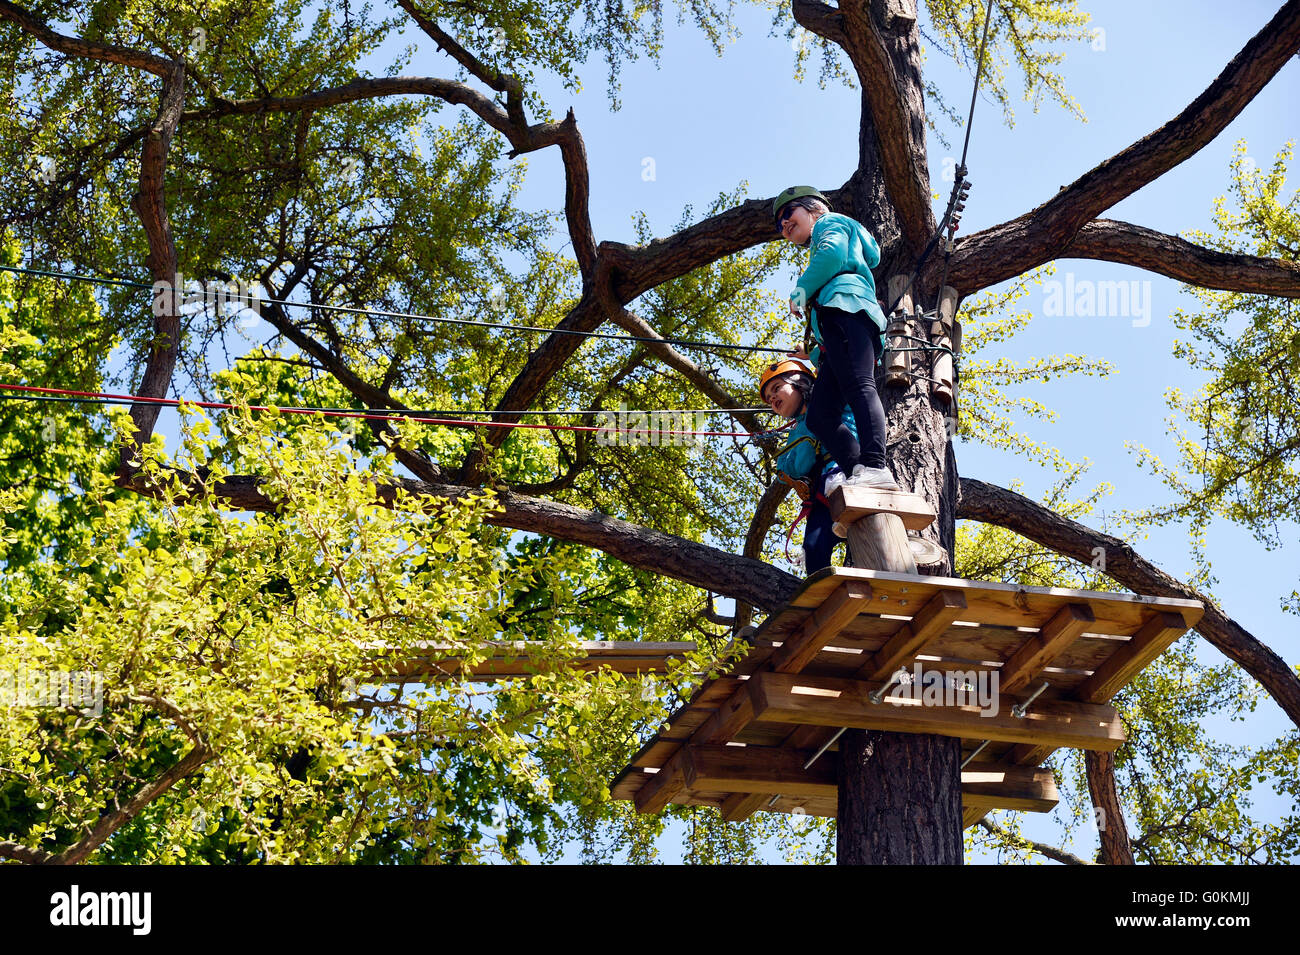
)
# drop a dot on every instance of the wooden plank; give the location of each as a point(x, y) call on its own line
point(1043, 647)
point(932, 619)
point(515, 658)
point(825, 701)
point(1008, 787)
point(658, 792)
point(1147, 644)
point(730, 718)
point(821, 626)
point(747, 769)
point(757, 769)
point(972, 816)
point(1028, 754)
point(849, 503)
point(740, 806)
point(1000, 604)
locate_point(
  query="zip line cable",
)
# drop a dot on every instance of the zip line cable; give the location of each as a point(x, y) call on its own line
point(35, 393)
point(374, 312)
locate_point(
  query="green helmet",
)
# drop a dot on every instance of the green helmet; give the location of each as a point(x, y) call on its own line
point(795, 192)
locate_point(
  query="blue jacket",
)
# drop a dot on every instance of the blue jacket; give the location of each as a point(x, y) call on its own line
point(838, 274)
point(803, 458)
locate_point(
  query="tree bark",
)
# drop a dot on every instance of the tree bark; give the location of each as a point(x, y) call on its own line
point(899, 802)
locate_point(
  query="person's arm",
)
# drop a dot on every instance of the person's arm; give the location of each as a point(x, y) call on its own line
point(829, 257)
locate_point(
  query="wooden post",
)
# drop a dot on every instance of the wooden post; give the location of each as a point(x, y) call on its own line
point(942, 332)
point(877, 522)
point(898, 364)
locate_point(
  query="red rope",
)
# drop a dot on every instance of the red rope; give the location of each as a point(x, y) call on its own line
point(370, 416)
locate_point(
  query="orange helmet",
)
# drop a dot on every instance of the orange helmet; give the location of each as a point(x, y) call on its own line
point(782, 367)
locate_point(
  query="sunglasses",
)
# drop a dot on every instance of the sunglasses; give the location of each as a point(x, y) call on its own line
point(786, 212)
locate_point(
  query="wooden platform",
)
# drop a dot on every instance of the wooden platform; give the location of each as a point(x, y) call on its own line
point(742, 741)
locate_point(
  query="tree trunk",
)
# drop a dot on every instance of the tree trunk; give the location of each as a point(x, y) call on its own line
point(899, 801)
point(900, 793)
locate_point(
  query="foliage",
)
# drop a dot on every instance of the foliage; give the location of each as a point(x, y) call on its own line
point(1237, 436)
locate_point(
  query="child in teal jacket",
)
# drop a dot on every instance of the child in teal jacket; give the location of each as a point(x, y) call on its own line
point(838, 293)
point(802, 462)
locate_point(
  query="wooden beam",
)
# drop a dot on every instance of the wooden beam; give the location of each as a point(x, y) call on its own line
point(972, 816)
point(851, 502)
point(1123, 665)
point(930, 621)
point(729, 719)
point(1043, 647)
point(758, 769)
point(767, 771)
point(822, 626)
point(659, 791)
point(828, 701)
point(740, 806)
point(991, 786)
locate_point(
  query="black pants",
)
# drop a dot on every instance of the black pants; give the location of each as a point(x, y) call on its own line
point(850, 343)
point(818, 539)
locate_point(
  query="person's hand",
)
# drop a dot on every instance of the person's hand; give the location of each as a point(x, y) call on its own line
point(796, 309)
point(800, 354)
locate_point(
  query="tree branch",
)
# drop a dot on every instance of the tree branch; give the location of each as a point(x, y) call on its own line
point(113, 821)
point(1114, 241)
point(893, 107)
point(76, 46)
point(990, 504)
point(693, 373)
point(1100, 770)
point(1043, 234)
point(1042, 848)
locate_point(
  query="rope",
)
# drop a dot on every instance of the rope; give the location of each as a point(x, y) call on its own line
point(414, 316)
point(34, 393)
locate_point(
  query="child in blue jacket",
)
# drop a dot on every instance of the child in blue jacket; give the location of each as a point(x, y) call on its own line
point(839, 293)
point(802, 462)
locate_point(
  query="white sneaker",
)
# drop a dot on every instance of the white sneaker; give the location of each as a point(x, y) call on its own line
point(833, 480)
point(864, 476)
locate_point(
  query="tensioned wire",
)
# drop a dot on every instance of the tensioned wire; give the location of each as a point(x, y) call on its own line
point(632, 421)
point(414, 316)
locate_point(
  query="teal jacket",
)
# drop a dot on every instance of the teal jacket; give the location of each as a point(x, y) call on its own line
point(839, 273)
point(803, 458)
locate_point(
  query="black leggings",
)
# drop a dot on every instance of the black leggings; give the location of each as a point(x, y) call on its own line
point(850, 343)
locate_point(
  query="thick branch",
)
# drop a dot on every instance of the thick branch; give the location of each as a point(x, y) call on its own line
point(995, 505)
point(893, 107)
point(113, 821)
point(150, 204)
point(22, 853)
point(1114, 241)
point(1043, 234)
point(76, 46)
point(1100, 769)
